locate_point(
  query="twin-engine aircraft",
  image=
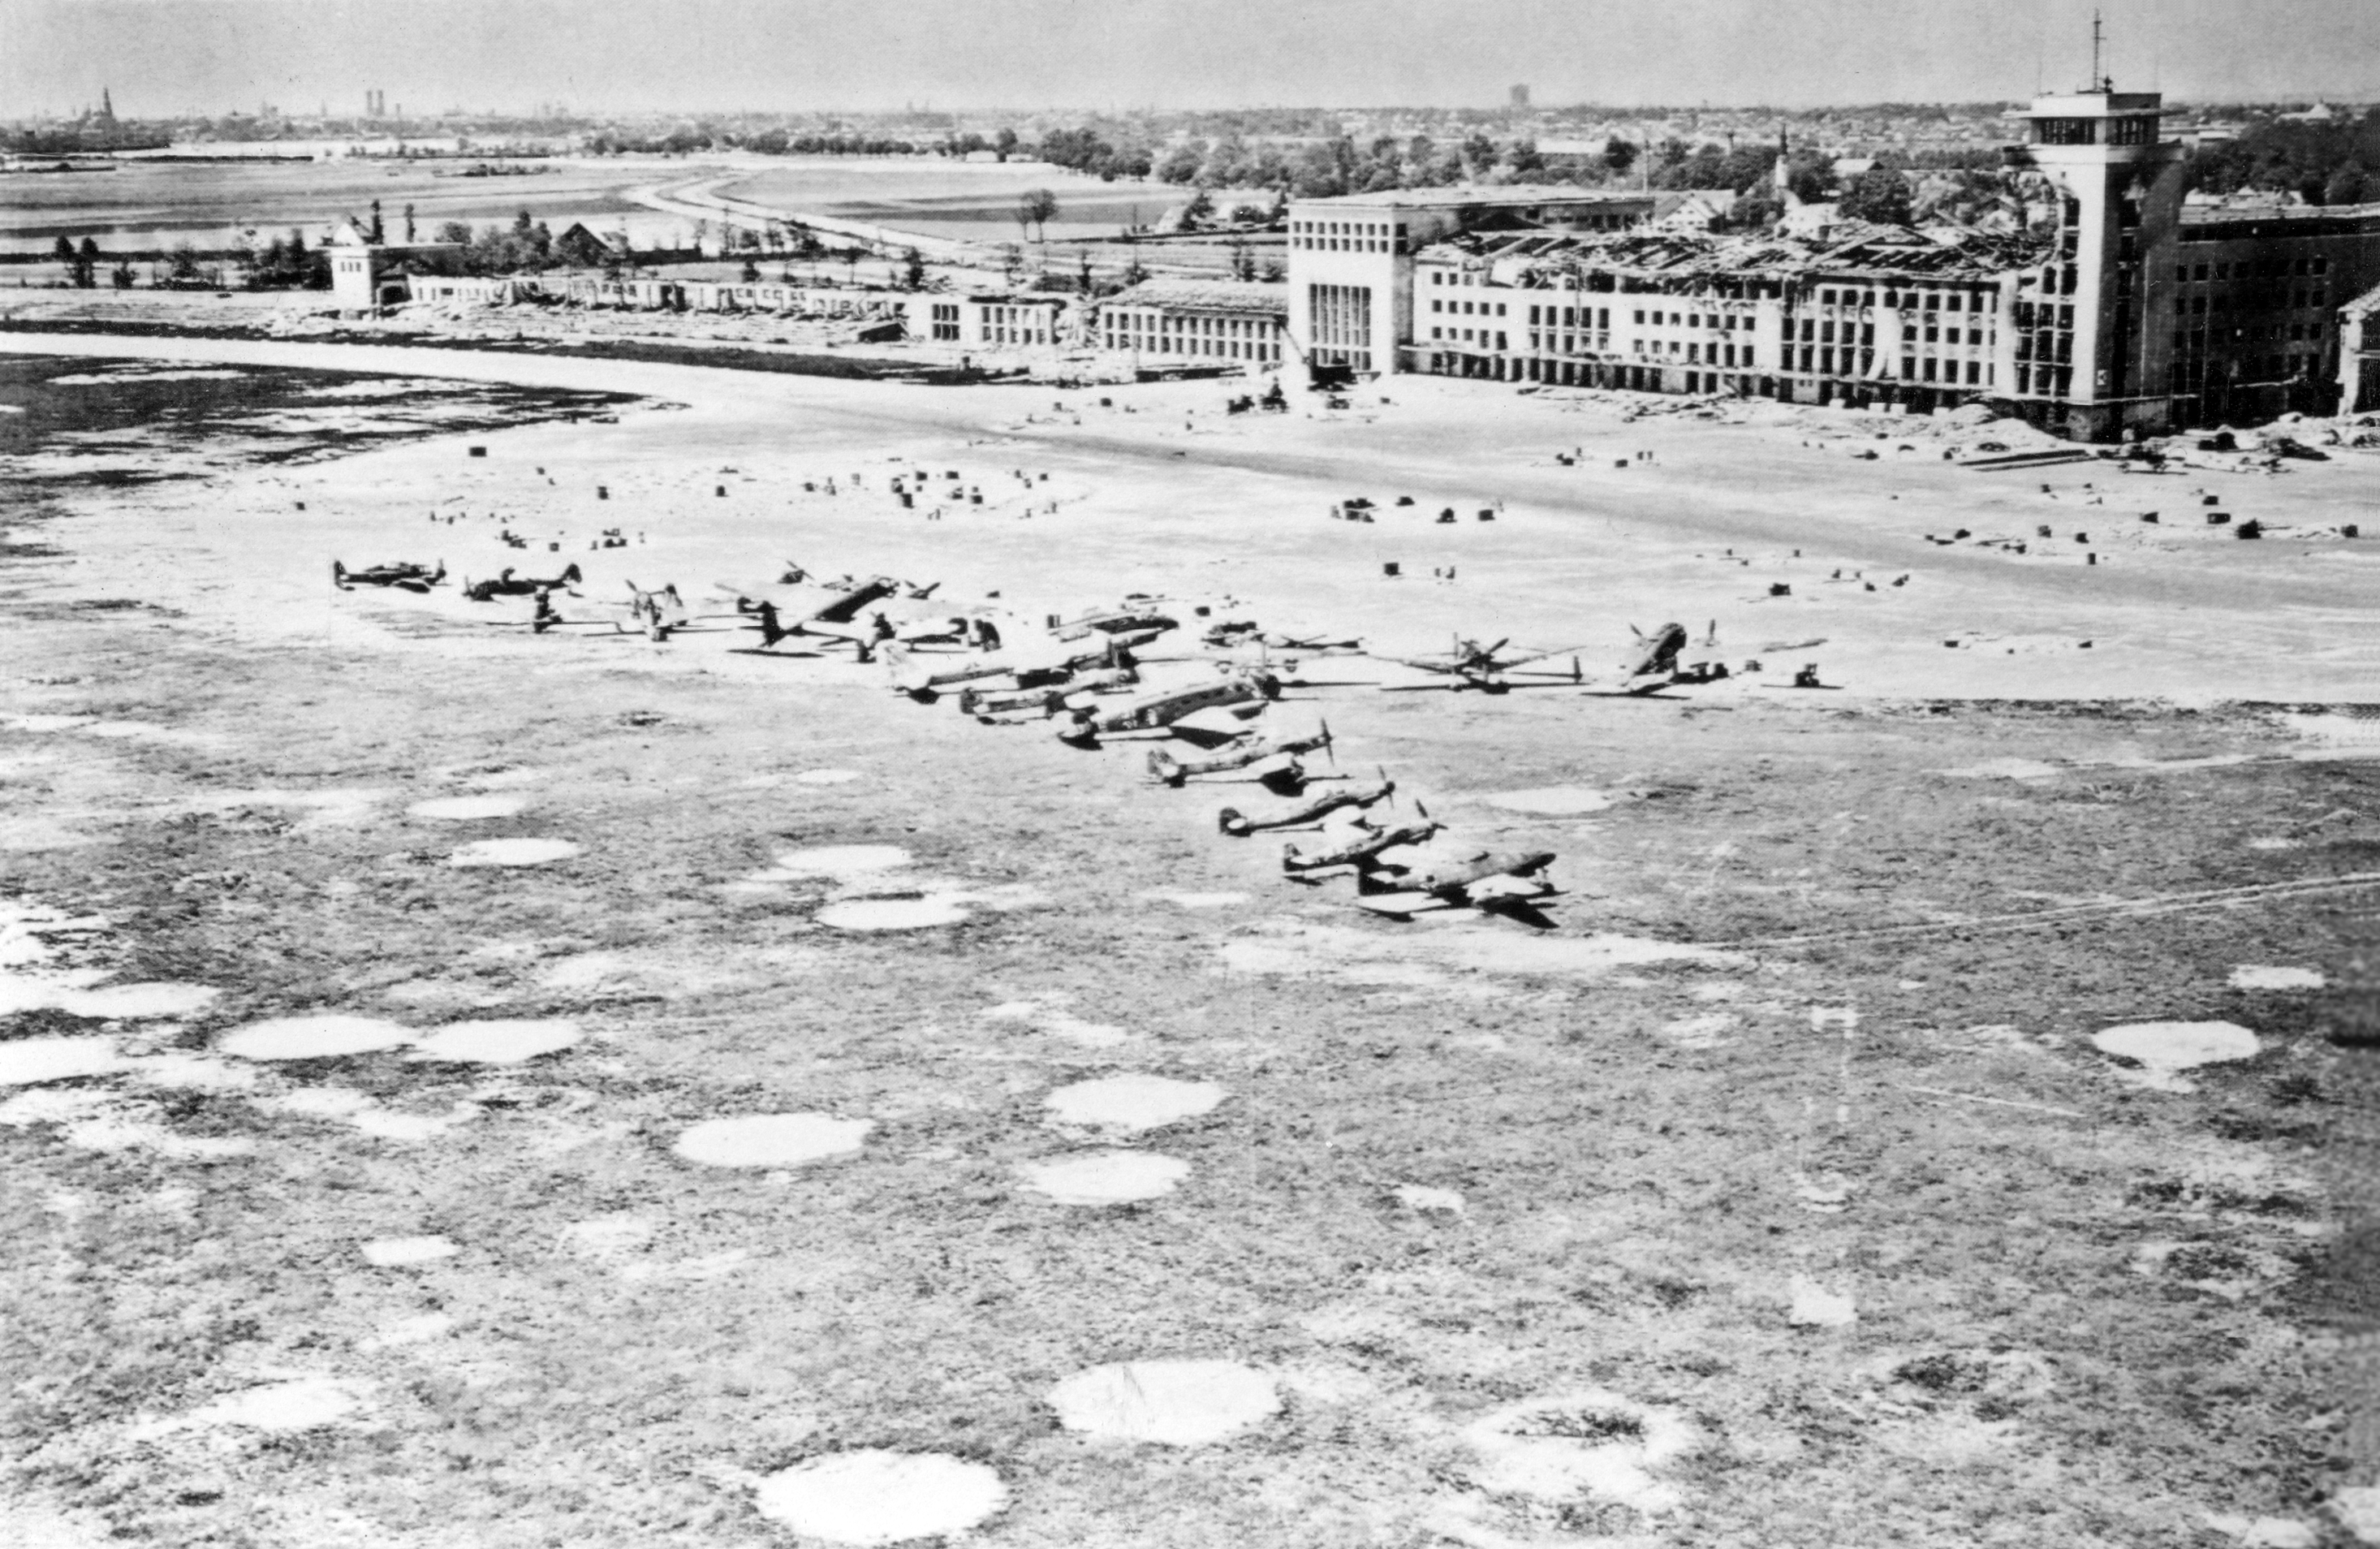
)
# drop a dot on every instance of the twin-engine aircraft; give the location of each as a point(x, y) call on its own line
point(1165, 709)
point(404, 576)
point(1510, 882)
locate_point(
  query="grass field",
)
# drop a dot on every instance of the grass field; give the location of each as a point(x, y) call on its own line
point(1658, 1227)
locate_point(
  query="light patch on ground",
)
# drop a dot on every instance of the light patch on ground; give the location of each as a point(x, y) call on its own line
point(826, 776)
point(468, 809)
point(397, 1333)
point(298, 1403)
point(192, 1073)
point(29, 1061)
point(326, 807)
point(1176, 1403)
point(2164, 1049)
point(1551, 801)
point(874, 1497)
point(28, 982)
point(512, 852)
point(2358, 1510)
point(894, 914)
point(2250, 977)
point(2265, 1533)
point(496, 1043)
point(1421, 1197)
point(1705, 1030)
point(1059, 1023)
point(1815, 1307)
point(402, 1253)
point(31, 835)
point(96, 1120)
point(1597, 1445)
point(772, 1140)
point(1105, 1177)
point(346, 1105)
point(2003, 769)
point(833, 862)
point(1296, 948)
point(1133, 1104)
point(326, 1036)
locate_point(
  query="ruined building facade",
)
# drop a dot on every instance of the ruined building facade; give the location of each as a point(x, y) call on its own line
point(2125, 310)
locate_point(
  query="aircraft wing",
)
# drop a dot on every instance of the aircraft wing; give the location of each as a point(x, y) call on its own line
point(1538, 657)
point(1404, 905)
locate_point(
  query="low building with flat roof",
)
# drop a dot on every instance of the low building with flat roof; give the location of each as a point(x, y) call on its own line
point(1243, 321)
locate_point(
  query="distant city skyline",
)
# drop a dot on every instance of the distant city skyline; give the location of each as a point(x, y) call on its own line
point(163, 58)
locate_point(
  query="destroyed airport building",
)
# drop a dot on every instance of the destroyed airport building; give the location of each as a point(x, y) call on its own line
point(2122, 310)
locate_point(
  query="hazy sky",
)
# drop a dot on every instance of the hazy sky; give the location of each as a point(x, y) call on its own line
point(167, 55)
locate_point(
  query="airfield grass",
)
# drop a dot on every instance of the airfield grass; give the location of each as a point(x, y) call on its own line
point(2088, 1311)
point(1631, 1219)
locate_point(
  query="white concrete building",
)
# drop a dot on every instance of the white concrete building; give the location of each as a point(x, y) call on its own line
point(1169, 320)
point(1351, 257)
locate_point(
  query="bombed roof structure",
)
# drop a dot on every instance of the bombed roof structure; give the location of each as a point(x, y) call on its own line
point(1658, 259)
point(1215, 296)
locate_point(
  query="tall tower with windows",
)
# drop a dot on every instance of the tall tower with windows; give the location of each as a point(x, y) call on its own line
point(2085, 341)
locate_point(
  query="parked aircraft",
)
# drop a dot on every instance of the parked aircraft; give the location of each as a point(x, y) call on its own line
point(1486, 668)
point(1160, 711)
point(1361, 850)
point(1137, 613)
point(1244, 634)
point(508, 584)
point(1166, 769)
point(1237, 825)
point(1511, 883)
point(1031, 664)
point(404, 576)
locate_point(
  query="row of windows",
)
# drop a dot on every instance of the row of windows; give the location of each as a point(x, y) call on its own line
point(2263, 269)
point(2198, 306)
point(1371, 237)
point(1571, 317)
point(1930, 300)
point(1571, 344)
point(1192, 344)
point(1487, 337)
point(1483, 309)
point(1212, 327)
point(1692, 319)
point(2270, 333)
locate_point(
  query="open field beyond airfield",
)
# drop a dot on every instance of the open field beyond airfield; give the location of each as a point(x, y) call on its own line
point(1778, 1196)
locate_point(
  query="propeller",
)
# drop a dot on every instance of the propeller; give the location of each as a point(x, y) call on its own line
point(1329, 749)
